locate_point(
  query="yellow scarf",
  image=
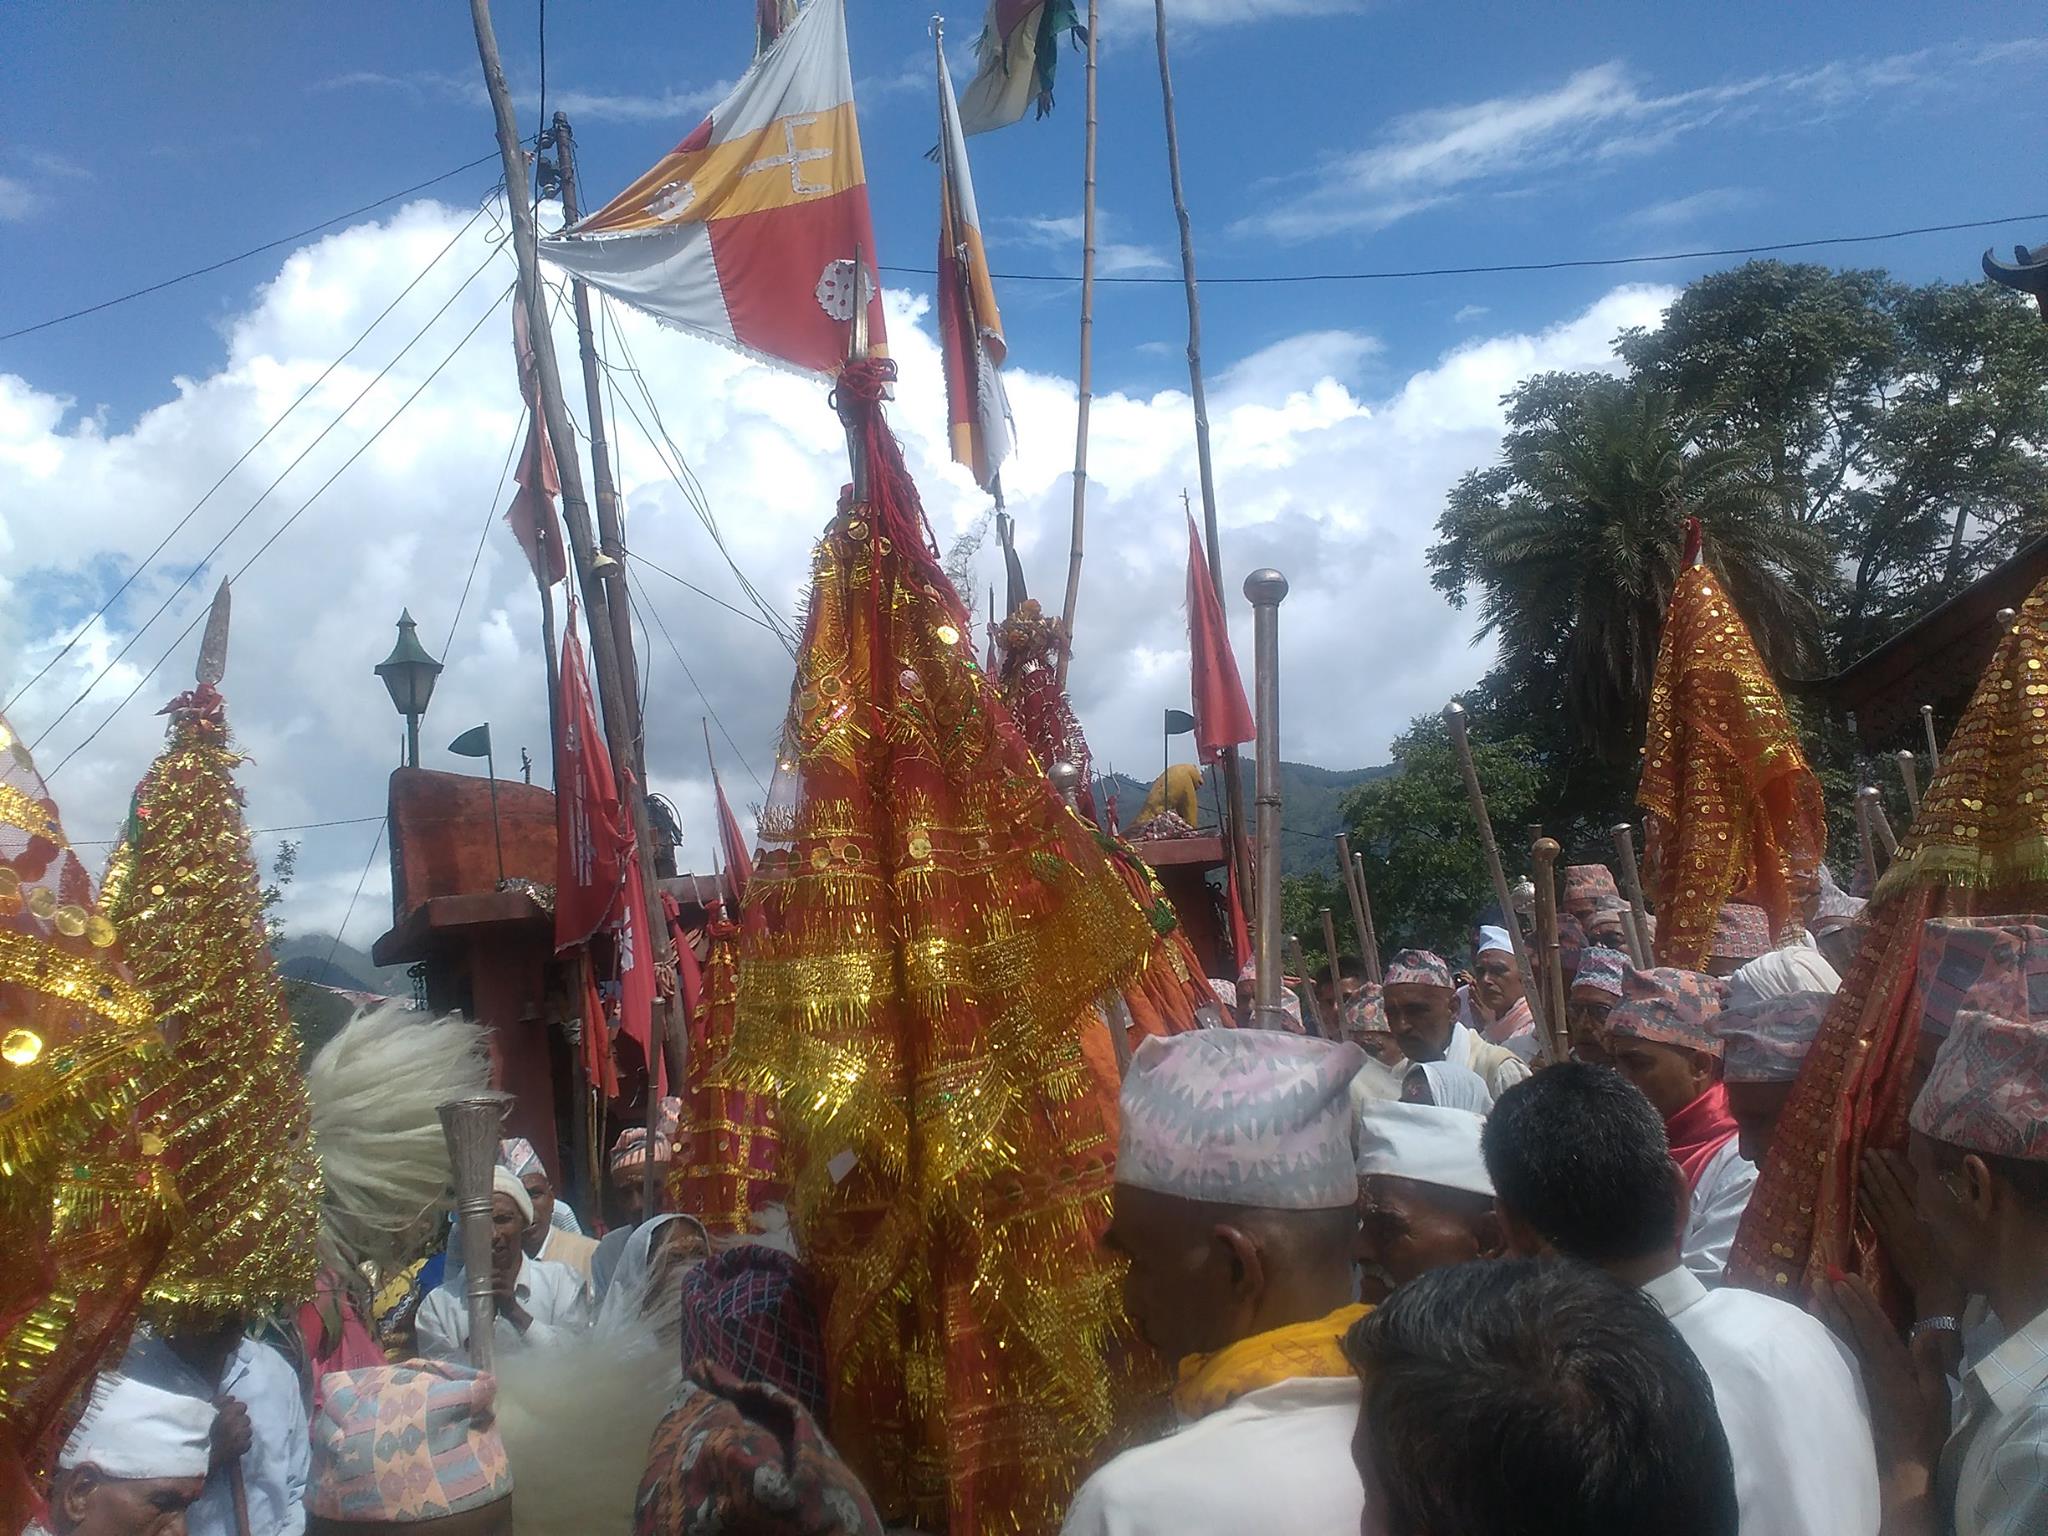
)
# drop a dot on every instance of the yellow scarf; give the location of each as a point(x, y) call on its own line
point(1210, 1382)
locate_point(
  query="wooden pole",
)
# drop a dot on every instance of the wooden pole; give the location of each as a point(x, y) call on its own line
point(1085, 381)
point(1372, 932)
point(620, 722)
point(1461, 745)
point(1310, 1001)
point(1543, 872)
point(610, 531)
point(1361, 925)
point(1336, 971)
point(1234, 828)
point(1637, 928)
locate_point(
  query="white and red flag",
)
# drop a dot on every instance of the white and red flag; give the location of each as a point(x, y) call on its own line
point(971, 341)
point(746, 232)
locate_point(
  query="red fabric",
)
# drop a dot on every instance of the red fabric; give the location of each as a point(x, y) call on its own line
point(1700, 1130)
point(601, 1067)
point(768, 264)
point(337, 1338)
point(593, 840)
point(636, 951)
point(739, 863)
point(1222, 717)
point(532, 513)
point(1240, 931)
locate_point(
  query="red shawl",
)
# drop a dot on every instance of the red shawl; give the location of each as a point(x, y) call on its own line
point(1700, 1130)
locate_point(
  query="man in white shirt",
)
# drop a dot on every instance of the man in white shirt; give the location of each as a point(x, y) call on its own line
point(261, 1422)
point(554, 1234)
point(136, 1461)
point(1234, 1204)
point(534, 1297)
point(1421, 1009)
point(1581, 1168)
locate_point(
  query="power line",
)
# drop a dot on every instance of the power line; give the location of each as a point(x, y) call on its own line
point(375, 844)
point(147, 560)
point(1484, 269)
point(286, 524)
point(703, 697)
point(483, 533)
point(254, 250)
point(751, 618)
point(234, 527)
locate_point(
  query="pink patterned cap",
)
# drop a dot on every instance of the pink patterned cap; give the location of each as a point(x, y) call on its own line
point(1667, 1006)
point(406, 1443)
point(517, 1157)
point(1766, 1041)
point(1741, 932)
point(1586, 886)
point(630, 1150)
point(1364, 1012)
point(1988, 1092)
point(1995, 965)
point(1418, 968)
point(1601, 969)
point(1241, 1117)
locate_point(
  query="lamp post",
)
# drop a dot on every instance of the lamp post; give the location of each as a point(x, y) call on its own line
point(409, 674)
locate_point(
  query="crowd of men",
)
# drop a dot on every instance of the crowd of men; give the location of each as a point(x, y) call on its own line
point(1419, 1281)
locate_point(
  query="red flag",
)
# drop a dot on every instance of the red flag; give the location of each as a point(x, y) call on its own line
point(532, 513)
point(739, 863)
point(593, 839)
point(634, 948)
point(1223, 718)
point(1240, 931)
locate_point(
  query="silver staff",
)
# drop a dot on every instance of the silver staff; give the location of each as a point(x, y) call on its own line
point(472, 1126)
point(1266, 588)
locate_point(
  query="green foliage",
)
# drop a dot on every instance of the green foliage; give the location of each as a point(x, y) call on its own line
point(1301, 898)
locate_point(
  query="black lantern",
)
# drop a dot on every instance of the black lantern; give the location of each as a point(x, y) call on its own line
point(409, 674)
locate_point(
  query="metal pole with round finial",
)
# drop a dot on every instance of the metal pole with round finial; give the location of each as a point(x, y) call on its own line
point(1266, 588)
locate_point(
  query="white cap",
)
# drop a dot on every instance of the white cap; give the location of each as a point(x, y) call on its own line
point(1424, 1143)
point(507, 1183)
point(131, 1430)
point(1496, 940)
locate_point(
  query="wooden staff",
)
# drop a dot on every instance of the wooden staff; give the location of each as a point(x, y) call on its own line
point(471, 1126)
point(1336, 967)
point(1880, 824)
point(1372, 932)
point(1361, 909)
point(238, 1490)
point(1310, 1001)
point(1543, 871)
point(1461, 744)
point(1909, 772)
point(1637, 929)
point(1933, 746)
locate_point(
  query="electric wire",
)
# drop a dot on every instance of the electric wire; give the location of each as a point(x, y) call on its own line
point(149, 559)
point(129, 644)
point(286, 524)
point(710, 597)
point(702, 696)
point(483, 534)
point(375, 844)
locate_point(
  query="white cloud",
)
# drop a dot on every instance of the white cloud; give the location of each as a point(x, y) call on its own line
point(1124, 15)
point(1681, 212)
point(1061, 234)
point(1335, 484)
point(18, 200)
point(681, 107)
point(1467, 313)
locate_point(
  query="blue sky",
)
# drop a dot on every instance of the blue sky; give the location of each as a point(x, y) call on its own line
point(1317, 136)
point(144, 140)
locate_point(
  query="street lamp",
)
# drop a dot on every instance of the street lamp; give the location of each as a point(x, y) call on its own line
point(409, 674)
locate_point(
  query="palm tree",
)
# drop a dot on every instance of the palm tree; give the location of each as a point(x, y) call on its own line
point(1575, 538)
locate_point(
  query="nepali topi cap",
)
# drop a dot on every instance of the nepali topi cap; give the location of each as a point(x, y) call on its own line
point(1668, 1006)
point(1428, 1143)
point(1988, 1092)
point(1586, 887)
point(517, 1157)
point(1766, 1040)
point(1364, 1012)
point(406, 1443)
point(630, 1150)
point(1741, 932)
point(1601, 969)
point(132, 1430)
point(1493, 941)
point(1995, 965)
point(1418, 968)
point(505, 1182)
point(1241, 1117)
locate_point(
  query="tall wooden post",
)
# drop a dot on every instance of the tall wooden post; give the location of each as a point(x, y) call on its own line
point(1085, 379)
point(619, 722)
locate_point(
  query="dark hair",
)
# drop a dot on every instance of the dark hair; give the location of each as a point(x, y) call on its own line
point(1347, 965)
point(1521, 1397)
point(1579, 1154)
point(2027, 1178)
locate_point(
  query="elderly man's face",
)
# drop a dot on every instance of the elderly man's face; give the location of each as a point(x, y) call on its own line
point(508, 1232)
point(1420, 1017)
point(1585, 1016)
point(1406, 1228)
point(86, 1502)
point(1181, 1288)
point(1498, 981)
point(542, 1194)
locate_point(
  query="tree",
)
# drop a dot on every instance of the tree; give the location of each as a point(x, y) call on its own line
point(1422, 861)
point(1896, 420)
point(1575, 537)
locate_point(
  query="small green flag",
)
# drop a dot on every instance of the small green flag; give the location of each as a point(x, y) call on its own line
point(1179, 722)
point(474, 742)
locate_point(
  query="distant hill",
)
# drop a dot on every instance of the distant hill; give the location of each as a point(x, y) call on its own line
point(1309, 801)
point(304, 957)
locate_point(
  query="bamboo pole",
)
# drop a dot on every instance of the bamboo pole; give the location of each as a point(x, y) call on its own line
point(1461, 745)
point(1329, 927)
point(1543, 872)
point(1909, 775)
point(1085, 379)
point(1310, 1001)
point(1372, 932)
point(1239, 851)
point(1637, 929)
point(620, 721)
point(1361, 914)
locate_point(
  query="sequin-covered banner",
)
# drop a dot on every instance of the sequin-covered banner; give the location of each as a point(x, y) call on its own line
point(232, 1105)
point(728, 1151)
point(1979, 846)
point(86, 1203)
point(926, 933)
point(1733, 808)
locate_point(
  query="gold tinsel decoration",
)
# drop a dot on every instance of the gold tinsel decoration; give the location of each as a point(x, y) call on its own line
point(86, 1204)
point(921, 947)
point(232, 1105)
